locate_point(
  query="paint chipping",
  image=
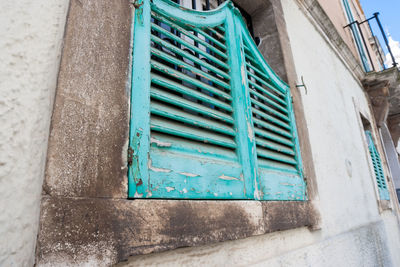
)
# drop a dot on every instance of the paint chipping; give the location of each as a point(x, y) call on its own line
point(288, 184)
point(155, 169)
point(228, 178)
point(137, 195)
point(256, 192)
point(184, 190)
point(159, 143)
point(188, 174)
point(169, 189)
point(243, 72)
point(250, 133)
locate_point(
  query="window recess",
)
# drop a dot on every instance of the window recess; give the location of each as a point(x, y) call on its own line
point(209, 118)
point(378, 168)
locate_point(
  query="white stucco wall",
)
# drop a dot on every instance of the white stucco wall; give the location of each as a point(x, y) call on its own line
point(31, 35)
point(353, 231)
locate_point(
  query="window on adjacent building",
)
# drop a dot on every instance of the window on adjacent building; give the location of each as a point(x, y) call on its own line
point(375, 161)
point(378, 168)
point(209, 118)
point(357, 36)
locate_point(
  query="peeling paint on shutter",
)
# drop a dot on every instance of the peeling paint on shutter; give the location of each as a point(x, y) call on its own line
point(278, 157)
point(378, 169)
point(202, 136)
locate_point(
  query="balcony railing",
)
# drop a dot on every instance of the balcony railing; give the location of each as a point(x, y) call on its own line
point(356, 29)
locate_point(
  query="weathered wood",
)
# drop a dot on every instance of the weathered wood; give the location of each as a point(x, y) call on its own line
point(275, 156)
point(185, 78)
point(271, 136)
point(272, 128)
point(177, 87)
point(190, 133)
point(175, 114)
point(268, 100)
point(193, 69)
point(274, 146)
point(190, 46)
point(262, 89)
point(269, 118)
point(269, 110)
point(189, 56)
point(181, 102)
point(191, 35)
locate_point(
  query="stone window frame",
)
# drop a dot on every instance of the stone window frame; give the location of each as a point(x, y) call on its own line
point(86, 173)
point(362, 120)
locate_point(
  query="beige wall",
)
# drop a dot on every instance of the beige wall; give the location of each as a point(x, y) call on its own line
point(337, 14)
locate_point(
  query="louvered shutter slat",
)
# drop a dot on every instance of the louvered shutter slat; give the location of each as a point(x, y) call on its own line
point(189, 56)
point(179, 88)
point(184, 65)
point(192, 36)
point(186, 78)
point(176, 114)
point(172, 99)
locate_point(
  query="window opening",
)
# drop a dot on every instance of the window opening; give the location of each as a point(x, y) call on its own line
point(209, 118)
point(375, 160)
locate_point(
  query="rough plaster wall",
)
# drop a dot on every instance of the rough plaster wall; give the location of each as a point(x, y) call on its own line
point(346, 185)
point(353, 232)
point(335, 134)
point(30, 49)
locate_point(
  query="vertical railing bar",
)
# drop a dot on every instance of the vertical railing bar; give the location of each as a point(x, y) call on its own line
point(384, 38)
point(376, 43)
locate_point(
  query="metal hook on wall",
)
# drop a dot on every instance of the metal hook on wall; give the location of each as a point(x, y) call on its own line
point(302, 85)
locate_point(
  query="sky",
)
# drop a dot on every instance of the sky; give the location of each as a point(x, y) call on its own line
point(389, 15)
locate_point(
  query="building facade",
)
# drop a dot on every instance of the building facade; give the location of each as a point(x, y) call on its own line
point(82, 154)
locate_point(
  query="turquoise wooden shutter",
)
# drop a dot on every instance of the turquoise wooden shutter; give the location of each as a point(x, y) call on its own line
point(192, 130)
point(378, 169)
point(278, 156)
point(183, 124)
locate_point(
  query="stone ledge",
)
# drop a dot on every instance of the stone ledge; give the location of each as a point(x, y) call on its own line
point(74, 230)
